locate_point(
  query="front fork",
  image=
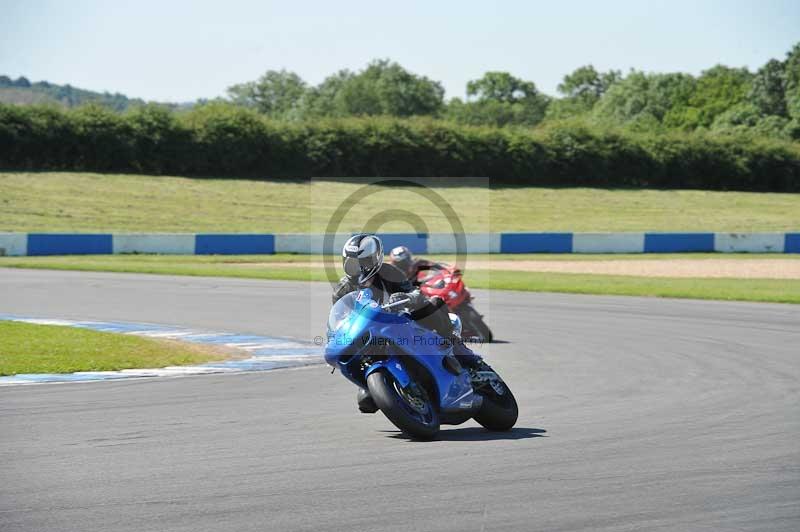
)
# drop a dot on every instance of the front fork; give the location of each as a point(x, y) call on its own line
point(488, 377)
point(394, 367)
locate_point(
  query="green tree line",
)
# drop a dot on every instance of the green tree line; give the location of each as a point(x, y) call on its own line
point(21, 91)
point(721, 100)
point(225, 140)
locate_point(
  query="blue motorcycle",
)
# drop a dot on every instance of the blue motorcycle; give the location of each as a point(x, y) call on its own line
point(411, 372)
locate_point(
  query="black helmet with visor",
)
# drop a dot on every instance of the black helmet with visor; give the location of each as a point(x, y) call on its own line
point(362, 257)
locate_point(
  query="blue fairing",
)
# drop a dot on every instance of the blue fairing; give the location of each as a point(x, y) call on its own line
point(359, 328)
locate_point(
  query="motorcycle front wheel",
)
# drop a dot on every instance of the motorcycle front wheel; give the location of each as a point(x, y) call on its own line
point(499, 410)
point(410, 409)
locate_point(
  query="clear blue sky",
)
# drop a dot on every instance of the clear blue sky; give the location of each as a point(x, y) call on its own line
point(179, 51)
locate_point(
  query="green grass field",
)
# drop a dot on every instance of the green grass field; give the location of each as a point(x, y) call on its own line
point(763, 290)
point(29, 348)
point(86, 202)
point(83, 202)
point(271, 267)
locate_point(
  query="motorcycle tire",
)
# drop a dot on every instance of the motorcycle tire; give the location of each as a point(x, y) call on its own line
point(474, 325)
point(386, 393)
point(498, 412)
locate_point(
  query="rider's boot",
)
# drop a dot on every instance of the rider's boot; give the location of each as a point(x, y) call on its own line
point(365, 403)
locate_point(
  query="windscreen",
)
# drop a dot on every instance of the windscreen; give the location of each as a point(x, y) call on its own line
point(340, 310)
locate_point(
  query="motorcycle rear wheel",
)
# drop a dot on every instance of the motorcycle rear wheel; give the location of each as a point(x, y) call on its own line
point(403, 410)
point(473, 324)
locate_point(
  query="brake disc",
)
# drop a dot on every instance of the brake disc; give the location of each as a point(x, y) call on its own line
point(491, 378)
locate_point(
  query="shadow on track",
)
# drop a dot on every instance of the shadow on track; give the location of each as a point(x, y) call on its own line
point(478, 434)
point(477, 345)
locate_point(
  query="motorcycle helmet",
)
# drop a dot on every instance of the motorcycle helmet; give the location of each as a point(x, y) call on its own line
point(402, 258)
point(362, 256)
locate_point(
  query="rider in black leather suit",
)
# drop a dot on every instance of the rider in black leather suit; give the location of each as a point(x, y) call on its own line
point(362, 258)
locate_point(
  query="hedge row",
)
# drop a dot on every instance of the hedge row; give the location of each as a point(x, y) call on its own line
point(224, 141)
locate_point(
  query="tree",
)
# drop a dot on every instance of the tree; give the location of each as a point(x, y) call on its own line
point(321, 100)
point(740, 117)
point(386, 88)
point(382, 88)
point(718, 89)
point(772, 126)
point(792, 73)
point(582, 89)
point(587, 84)
point(501, 87)
point(496, 113)
point(768, 90)
point(648, 98)
point(775, 91)
point(405, 94)
point(500, 100)
point(275, 93)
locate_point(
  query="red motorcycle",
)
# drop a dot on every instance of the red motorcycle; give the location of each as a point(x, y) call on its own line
point(447, 283)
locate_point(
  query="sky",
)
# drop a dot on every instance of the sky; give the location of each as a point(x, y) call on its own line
point(176, 51)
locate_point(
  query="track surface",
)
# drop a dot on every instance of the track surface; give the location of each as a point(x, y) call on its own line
point(635, 414)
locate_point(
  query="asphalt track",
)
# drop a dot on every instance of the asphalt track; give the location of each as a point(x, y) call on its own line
point(636, 414)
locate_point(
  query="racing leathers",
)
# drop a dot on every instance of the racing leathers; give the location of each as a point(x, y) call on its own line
point(430, 313)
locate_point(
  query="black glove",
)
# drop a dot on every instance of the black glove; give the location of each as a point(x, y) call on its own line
point(416, 299)
point(398, 296)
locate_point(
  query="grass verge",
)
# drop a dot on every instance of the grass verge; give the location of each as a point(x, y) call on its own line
point(259, 267)
point(30, 348)
point(86, 202)
point(764, 290)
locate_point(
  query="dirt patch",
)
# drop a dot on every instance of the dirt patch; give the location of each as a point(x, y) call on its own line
point(274, 264)
point(778, 268)
point(711, 268)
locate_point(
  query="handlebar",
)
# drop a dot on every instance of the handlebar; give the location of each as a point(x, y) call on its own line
point(396, 304)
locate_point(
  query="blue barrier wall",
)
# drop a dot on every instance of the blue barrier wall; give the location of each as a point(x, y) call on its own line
point(792, 243)
point(536, 243)
point(258, 244)
point(417, 243)
point(678, 242)
point(234, 244)
point(69, 244)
